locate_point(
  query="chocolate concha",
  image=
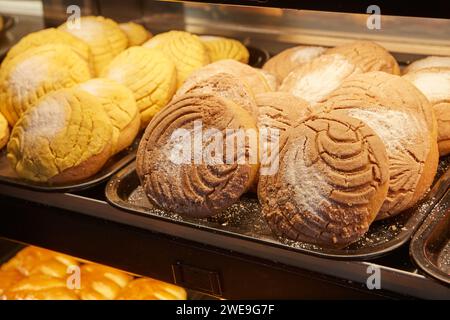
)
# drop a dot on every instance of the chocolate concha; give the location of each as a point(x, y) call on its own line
point(332, 180)
point(200, 183)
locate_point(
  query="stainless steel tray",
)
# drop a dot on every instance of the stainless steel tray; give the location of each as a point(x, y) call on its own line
point(244, 220)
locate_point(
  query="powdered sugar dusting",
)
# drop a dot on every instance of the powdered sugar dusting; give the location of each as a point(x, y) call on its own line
point(434, 85)
point(306, 54)
point(29, 74)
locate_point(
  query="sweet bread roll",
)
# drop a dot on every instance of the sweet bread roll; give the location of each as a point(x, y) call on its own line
point(284, 62)
point(332, 180)
point(428, 62)
point(65, 137)
point(136, 33)
point(434, 83)
point(197, 156)
point(185, 50)
point(36, 72)
point(7, 279)
point(51, 36)
point(220, 48)
point(149, 74)
point(314, 80)
point(4, 131)
point(33, 260)
point(119, 104)
point(403, 118)
point(367, 55)
point(250, 76)
point(104, 37)
point(150, 289)
point(101, 283)
point(40, 287)
point(271, 79)
point(227, 86)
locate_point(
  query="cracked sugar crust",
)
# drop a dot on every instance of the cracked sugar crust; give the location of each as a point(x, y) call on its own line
point(332, 180)
point(135, 33)
point(402, 117)
point(434, 83)
point(189, 188)
point(367, 55)
point(227, 86)
point(428, 62)
point(250, 76)
point(220, 48)
point(32, 74)
point(65, 137)
point(284, 62)
point(313, 81)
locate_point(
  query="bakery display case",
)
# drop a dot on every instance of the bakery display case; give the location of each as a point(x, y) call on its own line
point(379, 177)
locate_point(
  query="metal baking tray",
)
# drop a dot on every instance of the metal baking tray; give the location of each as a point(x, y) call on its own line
point(244, 219)
point(113, 165)
point(430, 247)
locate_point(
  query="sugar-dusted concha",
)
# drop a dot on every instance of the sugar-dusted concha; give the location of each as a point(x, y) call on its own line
point(428, 62)
point(220, 48)
point(135, 32)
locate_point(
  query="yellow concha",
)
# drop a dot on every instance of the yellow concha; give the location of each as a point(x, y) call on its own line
point(186, 50)
point(66, 137)
point(103, 35)
point(4, 131)
point(119, 104)
point(36, 72)
point(136, 33)
point(149, 74)
point(220, 48)
point(50, 36)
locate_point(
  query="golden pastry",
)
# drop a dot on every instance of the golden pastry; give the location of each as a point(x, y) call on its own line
point(150, 289)
point(227, 86)
point(136, 33)
point(36, 72)
point(332, 180)
point(40, 287)
point(185, 50)
point(101, 283)
point(402, 117)
point(104, 37)
point(367, 55)
point(220, 48)
point(149, 74)
point(119, 104)
point(434, 83)
point(284, 62)
point(4, 131)
point(8, 278)
point(428, 62)
point(50, 36)
point(65, 137)
point(216, 174)
point(252, 77)
point(314, 80)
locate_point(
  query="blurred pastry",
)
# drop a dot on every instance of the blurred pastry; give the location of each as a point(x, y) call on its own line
point(220, 48)
point(101, 283)
point(367, 55)
point(227, 86)
point(284, 62)
point(103, 35)
point(150, 289)
point(185, 50)
point(428, 62)
point(149, 74)
point(271, 79)
point(40, 287)
point(51, 36)
point(219, 170)
point(8, 278)
point(65, 137)
point(315, 80)
point(32, 74)
point(135, 32)
point(4, 131)
point(434, 83)
point(119, 104)
point(332, 180)
point(250, 76)
point(402, 117)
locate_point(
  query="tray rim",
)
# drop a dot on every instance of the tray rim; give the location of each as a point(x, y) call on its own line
point(435, 195)
point(418, 242)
